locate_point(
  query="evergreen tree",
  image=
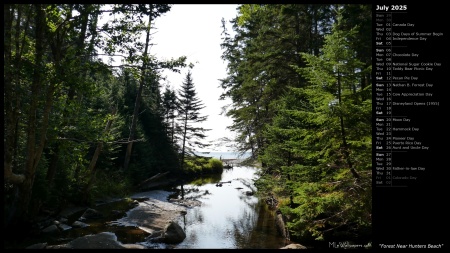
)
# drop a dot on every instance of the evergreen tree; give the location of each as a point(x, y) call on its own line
point(169, 106)
point(152, 11)
point(61, 126)
point(189, 116)
point(325, 128)
point(269, 40)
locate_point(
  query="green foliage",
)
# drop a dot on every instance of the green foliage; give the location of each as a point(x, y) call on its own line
point(41, 189)
point(269, 40)
point(154, 151)
point(318, 153)
point(195, 165)
point(326, 208)
point(216, 165)
point(111, 183)
point(206, 179)
point(270, 184)
point(62, 102)
point(191, 132)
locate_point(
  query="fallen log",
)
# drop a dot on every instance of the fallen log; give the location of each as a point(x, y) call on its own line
point(148, 180)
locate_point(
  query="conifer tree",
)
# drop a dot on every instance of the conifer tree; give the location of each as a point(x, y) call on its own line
point(189, 116)
point(332, 138)
point(169, 104)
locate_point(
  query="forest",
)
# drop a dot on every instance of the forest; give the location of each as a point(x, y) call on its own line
point(299, 77)
point(78, 128)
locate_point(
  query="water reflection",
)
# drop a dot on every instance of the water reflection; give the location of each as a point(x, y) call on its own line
point(228, 217)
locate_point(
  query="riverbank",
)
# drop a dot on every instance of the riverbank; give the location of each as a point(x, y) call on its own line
point(229, 216)
point(147, 218)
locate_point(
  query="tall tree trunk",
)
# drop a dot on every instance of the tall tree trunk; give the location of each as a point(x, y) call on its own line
point(173, 130)
point(138, 96)
point(250, 140)
point(25, 191)
point(9, 115)
point(184, 141)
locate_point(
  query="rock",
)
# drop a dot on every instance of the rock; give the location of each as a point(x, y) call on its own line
point(294, 246)
point(104, 240)
point(64, 227)
point(51, 229)
point(186, 202)
point(45, 223)
point(134, 203)
point(173, 233)
point(79, 224)
point(133, 246)
point(91, 214)
point(117, 214)
point(71, 210)
point(37, 246)
point(62, 246)
point(152, 216)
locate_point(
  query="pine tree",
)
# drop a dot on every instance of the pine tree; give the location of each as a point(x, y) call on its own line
point(332, 185)
point(189, 116)
point(169, 106)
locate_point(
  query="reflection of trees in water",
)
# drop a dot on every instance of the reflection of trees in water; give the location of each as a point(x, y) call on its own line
point(206, 179)
point(248, 225)
point(262, 230)
point(194, 216)
point(248, 183)
point(250, 201)
point(244, 225)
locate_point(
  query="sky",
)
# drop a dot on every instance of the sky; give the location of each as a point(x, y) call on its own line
point(194, 31)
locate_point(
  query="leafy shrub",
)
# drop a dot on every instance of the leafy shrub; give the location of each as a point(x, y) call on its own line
point(216, 165)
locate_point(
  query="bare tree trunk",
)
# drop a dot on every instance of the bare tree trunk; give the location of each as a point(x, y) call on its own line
point(184, 141)
point(138, 97)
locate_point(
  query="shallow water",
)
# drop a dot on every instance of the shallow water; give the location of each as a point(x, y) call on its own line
point(230, 217)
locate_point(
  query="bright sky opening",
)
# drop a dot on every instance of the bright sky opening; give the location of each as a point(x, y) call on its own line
point(194, 30)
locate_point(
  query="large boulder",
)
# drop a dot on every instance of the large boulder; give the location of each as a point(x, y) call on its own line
point(104, 240)
point(79, 224)
point(91, 214)
point(173, 233)
point(52, 229)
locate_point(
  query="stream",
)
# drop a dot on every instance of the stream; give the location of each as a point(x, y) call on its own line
point(230, 216)
point(227, 216)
